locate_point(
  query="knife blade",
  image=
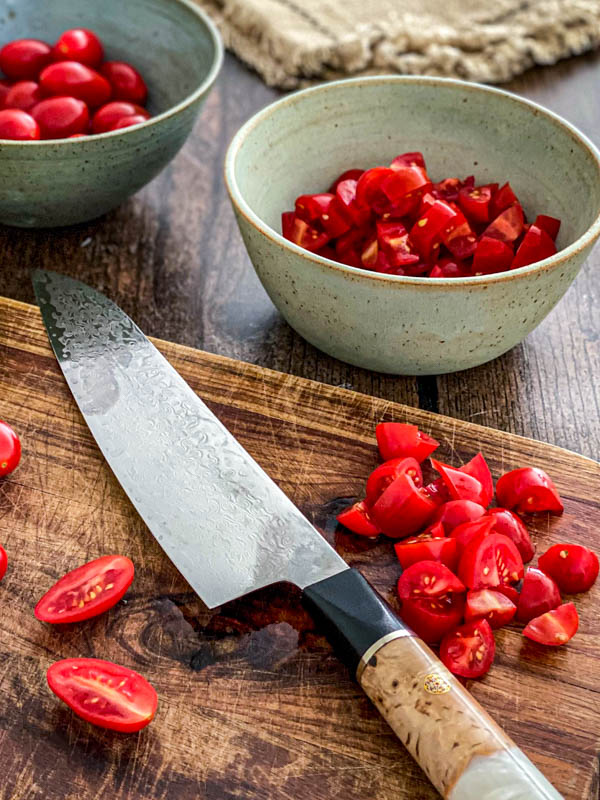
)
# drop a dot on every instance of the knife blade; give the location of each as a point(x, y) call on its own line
point(230, 530)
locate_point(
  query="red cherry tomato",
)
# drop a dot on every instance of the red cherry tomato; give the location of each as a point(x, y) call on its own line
point(324, 209)
point(492, 255)
point(61, 117)
point(5, 87)
point(346, 193)
point(104, 693)
point(512, 592)
point(528, 490)
point(455, 512)
point(507, 226)
point(19, 126)
point(108, 115)
point(404, 186)
point(467, 532)
point(475, 201)
point(397, 439)
point(79, 45)
point(460, 485)
point(87, 591)
point(536, 246)
point(554, 627)
point(431, 618)
point(573, 567)
point(386, 473)
point(490, 561)
point(427, 232)
point(508, 524)
point(3, 562)
point(469, 650)
point(488, 604)
point(539, 594)
point(393, 239)
point(403, 508)
point(408, 160)
point(24, 95)
point(428, 579)
point(23, 59)
point(10, 448)
point(369, 192)
point(501, 200)
point(358, 519)
point(301, 233)
point(129, 122)
point(349, 174)
point(427, 547)
point(72, 79)
point(548, 224)
point(126, 81)
point(478, 468)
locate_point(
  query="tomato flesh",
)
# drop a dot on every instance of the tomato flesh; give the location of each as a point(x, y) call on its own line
point(403, 508)
point(509, 524)
point(455, 512)
point(358, 519)
point(490, 561)
point(398, 439)
point(555, 627)
point(572, 566)
point(536, 246)
point(103, 693)
point(461, 485)
point(431, 618)
point(428, 579)
point(539, 594)
point(507, 226)
point(87, 591)
point(427, 547)
point(492, 255)
point(467, 532)
point(549, 224)
point(488, 604)
point(478, 468)
point(528, 490)
point(10, 449)
point(3, 562)
point(386, 473)
point(475, 201)
point(469, 650)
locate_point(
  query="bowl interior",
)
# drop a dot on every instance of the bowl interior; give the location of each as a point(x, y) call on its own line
point(304, 142)
point(164, 39)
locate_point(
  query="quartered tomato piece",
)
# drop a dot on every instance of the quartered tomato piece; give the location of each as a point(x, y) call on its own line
point(528, 490)
point(393, 239)
point(346, 193)
point(349, 174)
point(3, 562)
point(432, 617)
point(325, 209)
point(358, 519)
point(478, 468)
point(549, 224)
point(491, 256)
point(398, 439)
point(404, 187)
point(487, 604)
point(301, 233)
point(461, 485)
point(455, 512)
point(10, 449)
point(87, 591)
point(554, 627)
point(539, 594)
point(104, 693)
point(386, 473)
point(469, 650)
point(573, 567)
point(426, 234)
point(475, 201)
point(403, 508)
point(507, 523)
point(467, 532)
point(490, 561)
point(428, 579)
point(501, 200)
point(428, 547)
point(369, 190)
point(408, 160)
point(536, 246)
point(507, 226)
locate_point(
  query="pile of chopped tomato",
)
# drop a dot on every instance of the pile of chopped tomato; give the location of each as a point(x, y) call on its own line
point(397, 221)
point(463, 562)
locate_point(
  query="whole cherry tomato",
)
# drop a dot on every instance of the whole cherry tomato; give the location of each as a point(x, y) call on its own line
point(23, 59)
point(79, 44)
point(3, 562)
point(128, 122)
point(18, 125)
point(10, 447)
point(72, 79)
point(60, 117)
point(126, 82)
point(529, 489)
point(573, 567)
point(24, 95)
point(5, 87)
point(108, 115)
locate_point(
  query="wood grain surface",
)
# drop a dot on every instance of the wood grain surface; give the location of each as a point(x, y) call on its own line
point(173, 258)
point(253, 703)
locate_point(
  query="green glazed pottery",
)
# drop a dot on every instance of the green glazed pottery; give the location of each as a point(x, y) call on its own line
point(178, 51)
point(397, 324)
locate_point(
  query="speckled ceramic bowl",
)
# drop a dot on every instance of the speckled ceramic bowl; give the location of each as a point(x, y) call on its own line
point(401, 325)
point(178, 51)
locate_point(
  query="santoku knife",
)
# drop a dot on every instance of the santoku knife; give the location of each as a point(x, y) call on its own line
point(230, 530)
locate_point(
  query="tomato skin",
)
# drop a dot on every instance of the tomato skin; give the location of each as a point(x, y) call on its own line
point(3, 562)
point(490, 561)
point(469, 650)
point(507, 226)
point(408, 160)
point(572, 566)
point(18, 125)
point(24, 95)
point(549, 224)
point(403, 508)
point(478, 468)
point(455, 512)
point(129, 122)
point(555, 627)
point(358, 520)
point(507, 523)
point(10, 449)
point(108, 115)
point(475, 201)
point(536, 246)
point(433, 617)
point(60, 117)
point(5, 87)
point(528, 490)
point(491, 256)
point(502, 199)
point(86, 591)
point(459, 484)
point(81, 45)
point(23, 59)
point(127, 702)
point(487, 604)
point(72, 79)
point(427, 547)
point(428, 579)
point(348, 175)
point(426, 233)
point(398, 439)
point(467, 532)
point(386, 473)
point(539, 594)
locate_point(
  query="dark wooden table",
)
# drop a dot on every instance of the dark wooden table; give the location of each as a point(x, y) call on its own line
point(172, 257)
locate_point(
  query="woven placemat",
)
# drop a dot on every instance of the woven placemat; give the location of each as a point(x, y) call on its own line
point(294, 42)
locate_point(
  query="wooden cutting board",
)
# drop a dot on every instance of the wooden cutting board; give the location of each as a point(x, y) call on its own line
point(253, 704)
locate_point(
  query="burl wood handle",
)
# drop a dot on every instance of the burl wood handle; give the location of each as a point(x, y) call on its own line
point(463, 752)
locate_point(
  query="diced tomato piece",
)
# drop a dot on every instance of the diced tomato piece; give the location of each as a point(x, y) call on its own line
point(549, 224)
point(573, 567)
point(408, 160)
point(359, 215)
point(432, 618)
point(394, 241)
point(475, 201)
point(468, 651)
point(469, 531)
point(507, 226)
point(448, 189)
point(555, 627)
point(427, 547)
point(386, 473)
point(490, 561)
point(455, 512)
point(449, 268)
point(529, 490)
point(399, 439)
point(487, 604)
point(358, 519)
point(404, 186)
point(426, 234)
point(507, 523)
point(536, 246)
point(478, 468)
point(539, 594)
point(428, 579)
point(502, 199)
point(301, 233)
point(403, 508)
point(369, 190)
point(510, 591)
point(460, 485)
point(491, 255)
point(326, 209)
point(349, 174)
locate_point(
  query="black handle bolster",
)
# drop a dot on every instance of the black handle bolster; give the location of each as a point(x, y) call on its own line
point(352, 614)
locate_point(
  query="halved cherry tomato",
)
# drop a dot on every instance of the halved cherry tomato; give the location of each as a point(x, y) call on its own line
point(18, 125)
point(455, 512)
point(536, 246)
point(358, 519)
point(79, 44)
point(573, 567)
point(490, 561)
point(126, 81)
point(10, 447)
point(554, 627)
point(467, 532)
point(491, 255)
point(469, 650)
point(475, 201)
point(428, 547)
point(3, 562)
point(501, 200)
point(60, 117)
point(87, 591)
point(128, 122)
point(403, 508)
point(72, 79)
point(428, 579)
point(539, 594)
point(488, 604)
point(386, 473)
point(104, 693)
point(507, 226)
point(349, 174)
point(461, 485)
point(549, 224)
point(529, 489)
point(23, 59)
point(408, 160)
point(24, 95)
point(507, 523)
point(397, 439)
point(108, 115)
point(478, 468)
point(432, 617)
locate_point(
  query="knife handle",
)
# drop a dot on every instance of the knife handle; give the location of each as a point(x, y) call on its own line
point(463, 752)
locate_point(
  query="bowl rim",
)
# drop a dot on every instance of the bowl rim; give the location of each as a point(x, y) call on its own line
point(237, 199)
point(204, 86)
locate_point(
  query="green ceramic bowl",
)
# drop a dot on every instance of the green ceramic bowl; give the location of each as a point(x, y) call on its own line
point(401, 325)
point(178, 51)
